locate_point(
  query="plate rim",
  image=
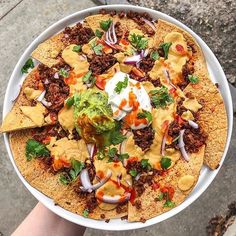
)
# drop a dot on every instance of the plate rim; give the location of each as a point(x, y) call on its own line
point(96, 224)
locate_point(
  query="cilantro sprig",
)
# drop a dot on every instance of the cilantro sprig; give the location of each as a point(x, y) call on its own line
point(105, 24)
point(28, 64)
point(63, 72)
point(70, 101)
point(35, 149)
point(154, 55)
point(165, 47)
point(161, 97)
point(133, 172)
point(121, 85)
point(138, 41)
point(145, 115)
point(76, 168)
point(193, 79)
point(76, 48)
point(114, 155)
point(145, 164)
point(98, 33)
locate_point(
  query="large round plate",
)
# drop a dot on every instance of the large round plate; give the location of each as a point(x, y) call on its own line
point(206, 176)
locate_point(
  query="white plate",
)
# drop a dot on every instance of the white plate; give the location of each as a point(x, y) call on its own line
point(206, 177)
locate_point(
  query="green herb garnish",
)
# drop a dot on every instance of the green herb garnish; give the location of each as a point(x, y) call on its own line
point(113, 152)
point(70, 101)
point(64, 73)
point(35, 149)
point(165, 162)
point(76, 168)
point(105, 24)
point(161, 97)
point(117, 137)
point(133, 173)
point(138, 41)
point(76, 48)
point(193, 79)
point(145, 114)
point(28, 64)
point(165, 47)
point(169, 203)
point(160, 197)
point(98, 49)
point(121, 85)
point(145, 164)
point(98, 33)
point(155, 55)
point(85, 213)
point(86, 77)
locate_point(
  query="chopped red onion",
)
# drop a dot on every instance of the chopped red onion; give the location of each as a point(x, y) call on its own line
point(137, 176)
point(167, 75)
point(85, 181)
point(114, 199)
point(45, 103)
point(149, 23)
point(111, 34)
point(119, 177)
point(181, 145)
point(133, 60)
point(110, 44)
point(193, 124)
point(56, 75)
point(46, 81)
point(41, 96)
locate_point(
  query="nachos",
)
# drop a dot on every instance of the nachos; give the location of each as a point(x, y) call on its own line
point(118, 118)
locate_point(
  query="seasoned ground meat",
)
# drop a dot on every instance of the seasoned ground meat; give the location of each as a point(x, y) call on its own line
point(144, 137)
point(121, 208)
point(56, 89)
point(194, 139)
point(118, 30)
point(137, 17)
point(77, 34)
point(180, 109)
point(187, 69)
point(161, 52)
point(146, 64)
point(99, 64)
point(91, 202)
point(156, 82)
point(138, 204)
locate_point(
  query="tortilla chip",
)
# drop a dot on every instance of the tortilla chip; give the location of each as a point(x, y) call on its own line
point(151, 207)
point(48, 51)
point(15, 119)
point(213, 117)
point(40, 177)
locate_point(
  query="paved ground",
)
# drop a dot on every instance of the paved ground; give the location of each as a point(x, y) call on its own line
point(21, 21)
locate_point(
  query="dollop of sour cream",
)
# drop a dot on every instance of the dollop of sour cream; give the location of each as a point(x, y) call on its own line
point(132, 100)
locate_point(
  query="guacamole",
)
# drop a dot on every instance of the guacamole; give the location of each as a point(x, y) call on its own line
point(92, 113)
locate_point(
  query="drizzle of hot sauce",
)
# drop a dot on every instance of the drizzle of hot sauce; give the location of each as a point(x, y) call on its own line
point(164, 126)
point(99, 195)
point(100, 174)
point(46, 140)
point(173, 92)
point(59, 163)
point(132, 159)
point(116, 164)
point(122, 103)
point(124, 41)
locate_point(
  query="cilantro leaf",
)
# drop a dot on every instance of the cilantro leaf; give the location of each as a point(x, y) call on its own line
point(105, 24)
point(114, 155)
point(165, 162)
point(123, 156)
point(138, 41)
point(77, 166)
point(85, 213)
point(28, 64)
point(121, 85)
point(70, 101)
point(35, 149)
point(116, 137)
point(160, 197)
point(112, 152)
point(145, 164)
point(161, 97)
point(133, 173)
point(64, 73)
point(193, 79)
point(98, 33)
point(165, 47)
point(86, 77)
point(169, 203)
point(77, 48)
point(101, 154)
point(64, 179)
point(154, 55)
point(98, 49)
point(145, 114)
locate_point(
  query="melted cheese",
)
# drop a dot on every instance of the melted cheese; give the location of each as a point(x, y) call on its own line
point(187, 115)
point(192, 104)
point(66, 118)
point(75, 60)
point(36, 113)
point(31, 93)
point(65, 149)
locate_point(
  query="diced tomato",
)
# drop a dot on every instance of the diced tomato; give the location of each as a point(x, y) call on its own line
point(155, 186)
point(100, 82)
point(107, 49)
point(179, 119)
point(169, 190)
point(40, 86)
point(132, 196)
point(138, 72)
point(47, 140)
point(100, 174)
point(164, 126)
point(179, 48)
point(124, 41)
point(173, 92)
point(59, 164)
point(132, 159)
point(53, 117)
